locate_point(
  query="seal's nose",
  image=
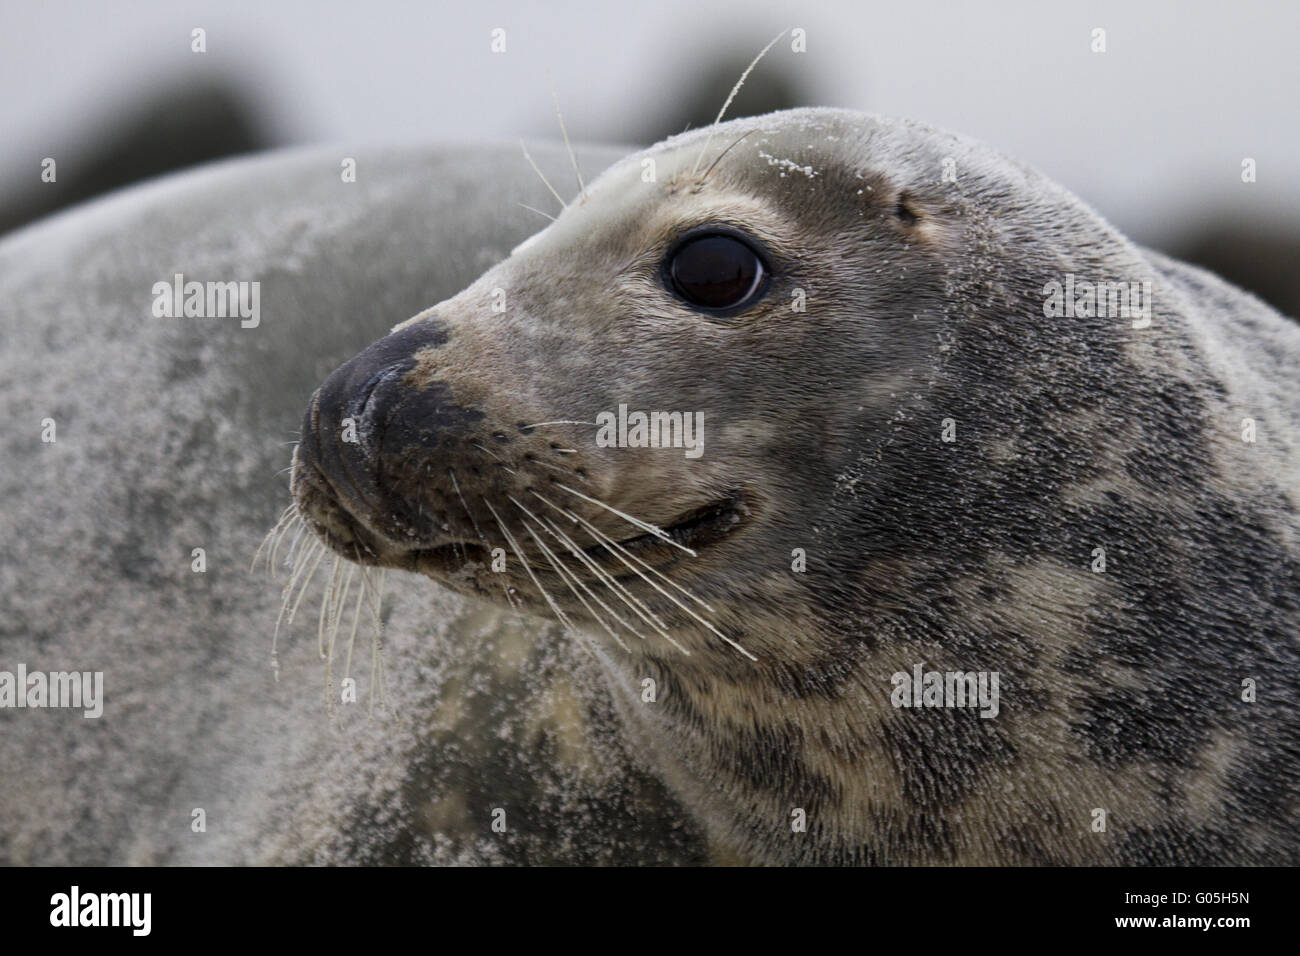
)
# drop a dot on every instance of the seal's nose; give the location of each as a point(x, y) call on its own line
point(366, 387)
point(349, 418)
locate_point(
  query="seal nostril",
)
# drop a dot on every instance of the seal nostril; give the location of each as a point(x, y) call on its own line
point(361, 403)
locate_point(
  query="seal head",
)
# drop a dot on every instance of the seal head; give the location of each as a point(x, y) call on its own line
point(910, 458)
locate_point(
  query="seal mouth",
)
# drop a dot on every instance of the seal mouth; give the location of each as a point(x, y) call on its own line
point(456, 556)
point(697, 529)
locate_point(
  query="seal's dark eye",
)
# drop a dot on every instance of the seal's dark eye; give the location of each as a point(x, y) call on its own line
point(715, 271)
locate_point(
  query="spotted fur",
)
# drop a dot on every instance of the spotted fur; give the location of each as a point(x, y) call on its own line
point(1121, 689)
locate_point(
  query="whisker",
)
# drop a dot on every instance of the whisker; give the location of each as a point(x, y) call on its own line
point(284, 604)
point(625, 596)
point(497, 457)
point(291, 553)
point(451, 473)
point(336, 619)
point(538, 211)
point(659, 626)
point(374, 593)
point(366, 588)
point(582, 190)
point(731, 96)
point(569, 579)
point(655, 571)
point(326, 601)
point(352, 636)
point(734, 143)
point(527, 567)
point(356, 619)
point(637, 522)
point(563, 422)
point(621, 553)
point(577, 552)
point(288, 519)
point(298, 569)
point(619, 550)
point(320, 553)
point(545, 181)
point(270, 535)
point(378, 669)
point(618, 590)
point(563, 471)
point(336, 615)
point(610, 581)
point(297, 546)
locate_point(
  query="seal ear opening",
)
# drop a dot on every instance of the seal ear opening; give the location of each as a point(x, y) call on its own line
point(905, 211)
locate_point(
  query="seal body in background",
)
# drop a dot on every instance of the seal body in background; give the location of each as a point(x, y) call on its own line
point(952, 423)
point(171, 435)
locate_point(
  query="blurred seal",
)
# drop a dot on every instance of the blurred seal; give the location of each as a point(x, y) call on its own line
point(169, 434)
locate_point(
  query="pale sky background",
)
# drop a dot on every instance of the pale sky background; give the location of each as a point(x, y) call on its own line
point(1152, 132)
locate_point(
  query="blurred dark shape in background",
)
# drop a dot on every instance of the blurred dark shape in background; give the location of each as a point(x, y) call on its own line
point(1266, 263)
point(205, 120)
point(700, 94)
point(183, 125)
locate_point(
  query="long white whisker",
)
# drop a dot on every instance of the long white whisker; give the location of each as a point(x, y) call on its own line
point(655, 571)
point(336, 613)
point(582, 190)
point(547, 182)
point(293, 547)
point(731, 96)
point(569, 580)
point(284, 604)
point(451, 473)
point(352, 634)
point(627, 596)
point(538, 211)
point(326, 603)
point(659, 626)
point(577, 552)
point(563, 471)
point(618, 551)
point(527, 567)
point(494, 455)
point(644, 526)
point(336, 618)
point(605, 579)
point(320, 553)
point(271, 536)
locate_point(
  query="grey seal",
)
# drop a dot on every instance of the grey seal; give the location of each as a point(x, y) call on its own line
point(952, 422)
